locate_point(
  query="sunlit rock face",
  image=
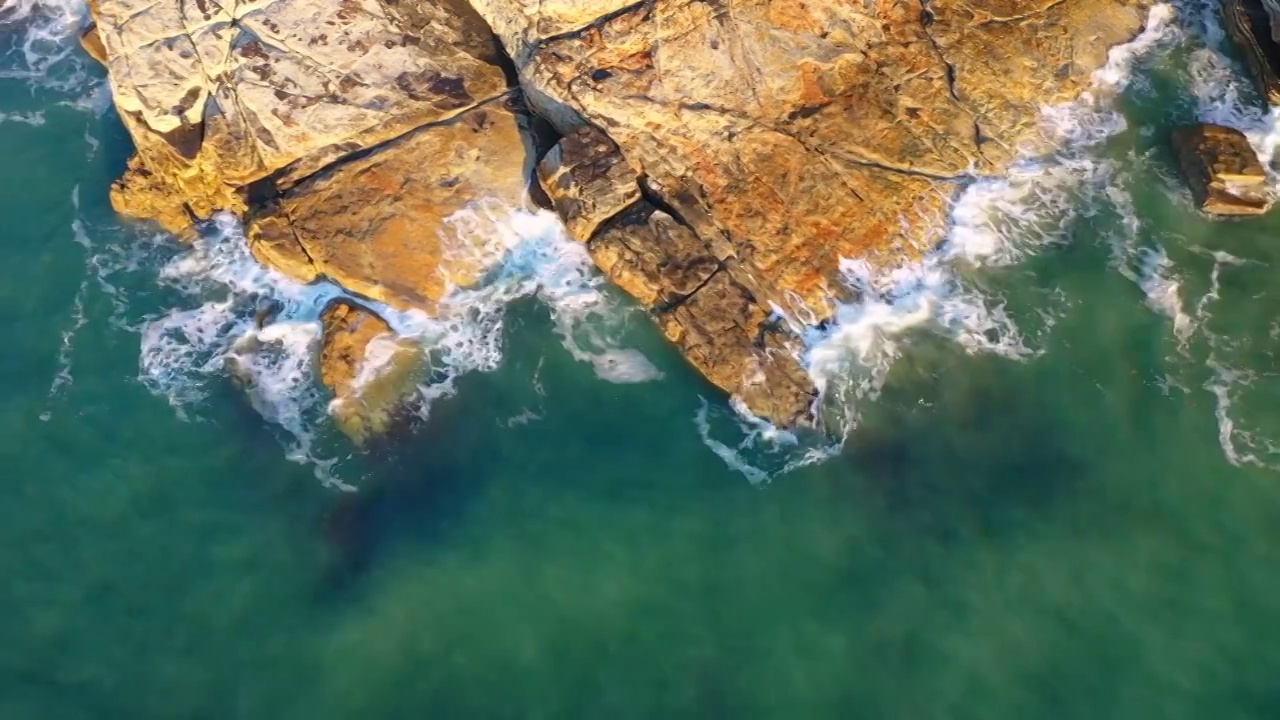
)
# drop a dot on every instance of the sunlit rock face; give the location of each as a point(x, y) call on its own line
point(718, 157)
point(1222, 169)
point(371, 372)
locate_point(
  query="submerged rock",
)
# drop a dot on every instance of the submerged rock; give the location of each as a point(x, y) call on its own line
point(370, 370)
point(1252, 25)
point(1222, 170)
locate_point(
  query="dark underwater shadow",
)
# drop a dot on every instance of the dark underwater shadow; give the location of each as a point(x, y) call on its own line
point(963, 452)
point(421, 479)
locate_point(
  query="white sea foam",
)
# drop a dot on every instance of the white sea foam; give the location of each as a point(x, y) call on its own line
point(46, 54)
point(34, 119)
point(1228, 379)
point(1145, 262)
point(536, 258)
point(731, 456)
point(1224, 96)
point(995, 221)
point(187, 352)
point(1161, 29)
point(1164, 291)
point(63, 377)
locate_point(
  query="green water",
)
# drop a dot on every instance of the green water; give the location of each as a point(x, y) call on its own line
point(1057, 537)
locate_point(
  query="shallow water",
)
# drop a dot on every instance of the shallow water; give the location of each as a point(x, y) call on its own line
point(1057, 497)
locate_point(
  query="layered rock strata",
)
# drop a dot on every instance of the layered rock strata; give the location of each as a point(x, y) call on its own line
point(719, 157)
point(1222, 170)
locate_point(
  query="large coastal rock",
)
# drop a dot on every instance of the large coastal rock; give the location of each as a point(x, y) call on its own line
point(370, 370)
point(719, 157)
point(1223, 170)
point(378, 226)
point(312, 114)
point(772, 138)
point(791, 134)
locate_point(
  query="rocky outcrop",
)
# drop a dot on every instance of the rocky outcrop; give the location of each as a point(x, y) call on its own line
point(791, 134)
point(779, 137)
point(1251, 23)
point(718, 157)
point(312, 114)
point(346, 133)
point(369, 369)
point(699, 298)
point(1222, 170)
point(377, 225)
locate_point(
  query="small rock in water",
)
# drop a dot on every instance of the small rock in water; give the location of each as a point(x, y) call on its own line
point(1222, 170)
point(268, 310)
point(371, 372)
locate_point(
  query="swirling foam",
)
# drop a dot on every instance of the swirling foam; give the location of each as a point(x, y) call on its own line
point(996, 221)
point(187, 352)
point(45, 53)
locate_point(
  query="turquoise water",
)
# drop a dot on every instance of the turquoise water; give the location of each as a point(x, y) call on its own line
point(1063, 508)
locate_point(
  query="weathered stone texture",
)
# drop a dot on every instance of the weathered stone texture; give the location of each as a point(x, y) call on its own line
point(783, 136)
point(719, 158)
point(370, 371)
point(1222, 170)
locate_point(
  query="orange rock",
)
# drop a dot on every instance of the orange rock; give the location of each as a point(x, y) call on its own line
point(786, 135)
point(370, 371)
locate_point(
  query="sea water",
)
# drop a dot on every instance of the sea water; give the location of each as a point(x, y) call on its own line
point(1048, 486)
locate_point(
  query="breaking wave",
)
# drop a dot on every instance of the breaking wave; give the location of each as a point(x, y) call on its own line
point(187, 353)
point(994, 222)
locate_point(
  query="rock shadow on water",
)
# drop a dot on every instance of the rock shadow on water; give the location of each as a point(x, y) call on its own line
point(419, 479)
point(964, 452)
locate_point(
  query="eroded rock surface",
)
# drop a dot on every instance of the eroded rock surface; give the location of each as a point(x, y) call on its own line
point(719, 158)
point(377, 225)
point(233, 103)
point(780, 136)
point(792, 133)
point(370, 370)
point(1223, 170)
